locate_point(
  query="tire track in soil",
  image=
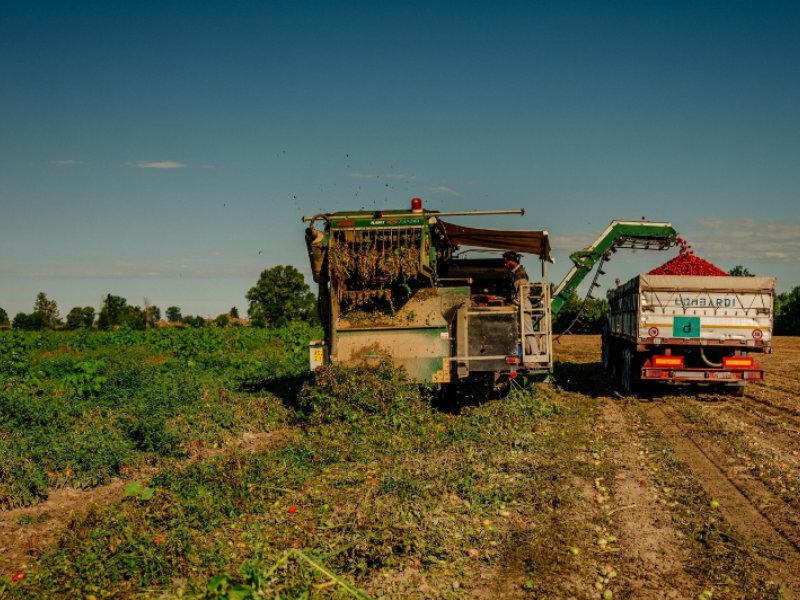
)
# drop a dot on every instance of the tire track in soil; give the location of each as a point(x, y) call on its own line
point(788, 411)
point(778, 444)
point(651, 562)
point(765, 412)
point(776, 546)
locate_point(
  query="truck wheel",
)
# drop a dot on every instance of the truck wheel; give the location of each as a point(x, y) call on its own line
point(605, 352)
point(627, 376)
point(734, 390)
point(615, 358)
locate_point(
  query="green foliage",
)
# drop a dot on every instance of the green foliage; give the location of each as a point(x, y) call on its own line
point(380, 485)
point(740, 271)
point(80, 317)
point(192, 321)
point(4, 322)
point(116, 312)
point(591, 320)
point(174, 314)
point(87, 377)
point(787, 313)
point(134, 489)
point(31, 322)
point(350, 394)
point(222, 320)
point(151, 315)
point(47, 310)
point(79, 407)
point(280, 295)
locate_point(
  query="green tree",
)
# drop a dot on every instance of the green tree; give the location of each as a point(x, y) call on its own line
point(47, 309)
point(135, 318)
point(234, 312)
point(192, 321)
point(116, 312)
point(591, 318)
point(80, 317)
point(281, 293)
point(222, 320)
point(151, 314)
point(740, 271)
point(112, 312)
point(174, 314)
point(4, 318)
point(30, 322)
point(787, 313)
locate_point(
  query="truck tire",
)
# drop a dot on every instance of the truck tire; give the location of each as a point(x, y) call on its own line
point(615, 359)
point(736, 389)
point(628, 377)
point(605, 352)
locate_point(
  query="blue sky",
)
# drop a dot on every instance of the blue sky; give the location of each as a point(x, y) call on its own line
point(167, 150)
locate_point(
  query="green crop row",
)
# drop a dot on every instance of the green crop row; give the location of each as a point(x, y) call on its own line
point(356, 492)
point(78, 408)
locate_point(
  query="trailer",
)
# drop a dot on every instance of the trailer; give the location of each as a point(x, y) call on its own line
point(678, 329)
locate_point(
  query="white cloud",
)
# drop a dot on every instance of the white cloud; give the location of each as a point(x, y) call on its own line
point(572, 242)
point(441, 189)
point(746, 240)
point(161, 164)
point(403, 176)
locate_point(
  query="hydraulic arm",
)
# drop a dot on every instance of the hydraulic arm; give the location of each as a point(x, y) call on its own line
point(644, 235)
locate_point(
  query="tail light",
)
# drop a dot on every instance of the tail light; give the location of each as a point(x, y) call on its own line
point(671, 362)
point(512, 360)
point(738, 362)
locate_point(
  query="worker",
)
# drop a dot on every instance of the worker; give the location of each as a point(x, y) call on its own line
point(519, 277)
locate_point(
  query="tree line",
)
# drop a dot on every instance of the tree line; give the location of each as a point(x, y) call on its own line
point(114, 312)
point(281, 295)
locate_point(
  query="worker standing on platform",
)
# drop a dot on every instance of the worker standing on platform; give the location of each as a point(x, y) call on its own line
point(519, 278)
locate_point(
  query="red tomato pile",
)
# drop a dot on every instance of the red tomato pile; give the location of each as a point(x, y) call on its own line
point(686, 263)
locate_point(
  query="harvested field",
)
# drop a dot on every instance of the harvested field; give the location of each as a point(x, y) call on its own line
point(357, 486)
point(726, 468)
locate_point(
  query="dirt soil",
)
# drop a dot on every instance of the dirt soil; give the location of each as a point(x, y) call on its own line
point(702, 482)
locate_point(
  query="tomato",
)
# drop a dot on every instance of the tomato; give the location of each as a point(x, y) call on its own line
point(686, 263)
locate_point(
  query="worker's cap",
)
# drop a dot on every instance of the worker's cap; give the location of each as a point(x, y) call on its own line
point(511, 255)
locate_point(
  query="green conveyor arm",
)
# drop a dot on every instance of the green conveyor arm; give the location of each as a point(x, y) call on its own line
point(645, 235)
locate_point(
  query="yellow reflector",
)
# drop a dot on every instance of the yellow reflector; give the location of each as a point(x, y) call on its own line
point(668, 361)
point(729, 362)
